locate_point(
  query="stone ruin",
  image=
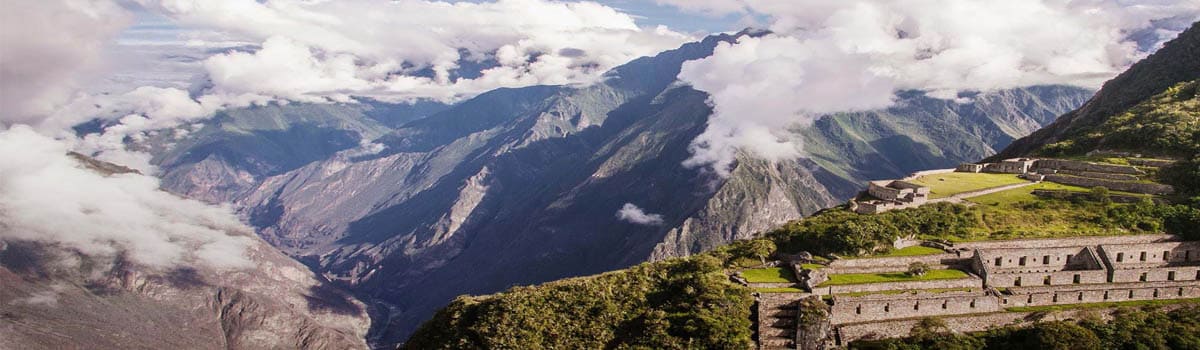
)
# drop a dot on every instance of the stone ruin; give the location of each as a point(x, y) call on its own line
point(1001, 275)
point(887, 195)
point(1116, 177)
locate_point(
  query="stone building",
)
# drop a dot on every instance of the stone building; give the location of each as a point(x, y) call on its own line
point(1014, 267)
point(890, 195)
point(1010, 166)
point(1152, 262)
point(1006, 274)
point(969, 168)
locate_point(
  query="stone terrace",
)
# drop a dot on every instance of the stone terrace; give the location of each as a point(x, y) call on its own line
point(1001, 275)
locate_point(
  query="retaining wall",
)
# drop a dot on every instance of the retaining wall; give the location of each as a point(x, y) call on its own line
point(1069, 241)
point(900, 262)
point(1106, 176)
point(1063, 164)
point(970, 282)
point(1113, 292)
point(1178, 273)
point(1040, 278)
point(907, 305)
point(1136, 187)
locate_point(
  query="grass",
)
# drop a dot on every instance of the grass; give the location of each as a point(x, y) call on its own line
point(769, 275)
point(779, 290)
point(863, 278)
point(908, 251)
point(949, 184)
point(1130, 303)
point(1023, 194)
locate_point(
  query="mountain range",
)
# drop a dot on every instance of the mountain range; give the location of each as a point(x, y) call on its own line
point(411, 205)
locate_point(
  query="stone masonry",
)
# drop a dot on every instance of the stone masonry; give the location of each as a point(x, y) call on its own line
point(1006, 274)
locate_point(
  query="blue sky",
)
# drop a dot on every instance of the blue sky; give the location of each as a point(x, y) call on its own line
point(153, 27)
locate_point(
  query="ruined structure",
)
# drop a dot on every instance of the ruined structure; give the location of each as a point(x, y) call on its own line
point(891, 195)
point(1000, 275)
point(1126, 178)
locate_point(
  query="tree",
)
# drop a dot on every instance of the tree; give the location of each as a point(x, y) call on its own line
point(761, 249)
point(1100, 194)
point(917, 269)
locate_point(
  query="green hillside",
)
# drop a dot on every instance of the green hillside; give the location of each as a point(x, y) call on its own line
point(676, 304)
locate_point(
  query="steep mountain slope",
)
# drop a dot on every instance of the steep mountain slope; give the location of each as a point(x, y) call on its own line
point(521, 186)
point(1178, 61)
point(238, 148)
point(55, 297)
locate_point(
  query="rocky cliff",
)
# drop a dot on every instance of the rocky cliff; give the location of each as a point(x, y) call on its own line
point(53, 296)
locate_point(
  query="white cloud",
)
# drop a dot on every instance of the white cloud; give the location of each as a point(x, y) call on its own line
point(855, 54)
point(47, 49)
point(329, 51)
point(49, 197)
point(633, 214)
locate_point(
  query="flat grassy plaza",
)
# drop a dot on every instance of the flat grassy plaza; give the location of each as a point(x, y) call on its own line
point(949, 184)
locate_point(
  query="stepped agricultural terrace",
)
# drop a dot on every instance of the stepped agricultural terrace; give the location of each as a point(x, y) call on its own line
point(978, 285)
point(910, 192)
point(996, 282)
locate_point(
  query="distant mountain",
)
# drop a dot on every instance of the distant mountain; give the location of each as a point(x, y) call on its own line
point(1177, 62)
point(520, 186)
point(52, 297)
point(236, 149)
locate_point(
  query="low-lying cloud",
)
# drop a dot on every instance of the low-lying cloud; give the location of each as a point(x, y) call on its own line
point(633, 214)
point(47, 196)
point(834, 56)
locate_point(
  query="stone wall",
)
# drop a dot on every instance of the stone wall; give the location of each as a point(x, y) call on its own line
point(899, 263)
point(1106, 176)
point(1069, 241)
point(1136, 187)
point(907, 305)
point(1115, 198)
point(1180, 273)
point(1153, 254)
point(997, 280)
point(1112, 292)
point(1157, 163)
point(970, 282)
point(1063, 164)
point(969, 168)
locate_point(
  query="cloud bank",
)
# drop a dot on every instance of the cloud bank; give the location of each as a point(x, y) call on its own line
point(49, 197)
point(633, 214)
point(826, 57)
point(280, 51)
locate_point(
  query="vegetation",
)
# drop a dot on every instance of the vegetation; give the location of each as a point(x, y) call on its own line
point(1150, 328)
point(845, 233)
point(862, 278)
point(949, 184)
point(1023, 194)
point(1167, 124)
point(917, 269)
point(769, 275)
point(673, 304)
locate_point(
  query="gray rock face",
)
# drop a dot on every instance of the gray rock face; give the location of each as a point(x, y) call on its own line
point(56, 299)
point(520, 186)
